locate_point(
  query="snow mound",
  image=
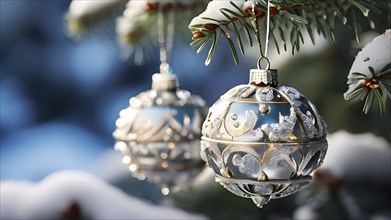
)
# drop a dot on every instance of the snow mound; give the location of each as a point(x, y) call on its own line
point(359, 157)
point(376, 54)
point(213, 11)
point(97, 200)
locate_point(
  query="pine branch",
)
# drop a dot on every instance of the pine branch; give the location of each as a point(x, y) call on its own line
point(135, 22)
point(137, 30)
point(85, 18)
point(378, 86)
point(288, 20)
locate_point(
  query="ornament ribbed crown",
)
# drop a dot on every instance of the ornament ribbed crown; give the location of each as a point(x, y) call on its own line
point(264, 77)
point(164, 82)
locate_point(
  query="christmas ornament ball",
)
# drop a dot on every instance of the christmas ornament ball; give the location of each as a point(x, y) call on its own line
point(158, 134)
point(263, 140)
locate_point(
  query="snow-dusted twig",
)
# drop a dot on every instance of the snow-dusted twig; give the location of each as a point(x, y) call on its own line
point(370, 74)
point(89, 17)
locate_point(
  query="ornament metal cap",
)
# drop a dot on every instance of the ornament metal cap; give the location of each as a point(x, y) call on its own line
point(165, 80)
point(263, 76)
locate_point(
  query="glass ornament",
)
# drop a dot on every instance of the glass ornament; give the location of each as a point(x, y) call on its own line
point(263, 140)
point(159, 133)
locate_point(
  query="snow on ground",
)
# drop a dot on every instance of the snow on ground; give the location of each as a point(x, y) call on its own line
point(97, 199)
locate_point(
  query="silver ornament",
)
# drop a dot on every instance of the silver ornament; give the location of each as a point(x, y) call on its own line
point(158, 134)
point(263, 140)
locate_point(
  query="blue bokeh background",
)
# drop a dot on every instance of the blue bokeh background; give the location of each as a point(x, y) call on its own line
point(59, 98)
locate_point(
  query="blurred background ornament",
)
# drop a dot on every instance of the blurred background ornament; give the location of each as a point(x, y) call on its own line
point(158, 134)
point(263, 140)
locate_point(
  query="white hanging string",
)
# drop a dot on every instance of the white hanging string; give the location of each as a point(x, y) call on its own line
point(263, 55)
point(255, 25)
point(166, 43)
point(267, 28)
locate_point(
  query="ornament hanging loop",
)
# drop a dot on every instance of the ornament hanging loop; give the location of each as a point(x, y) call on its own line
point(261, 60)
point(263, 76)
point(165, 68)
